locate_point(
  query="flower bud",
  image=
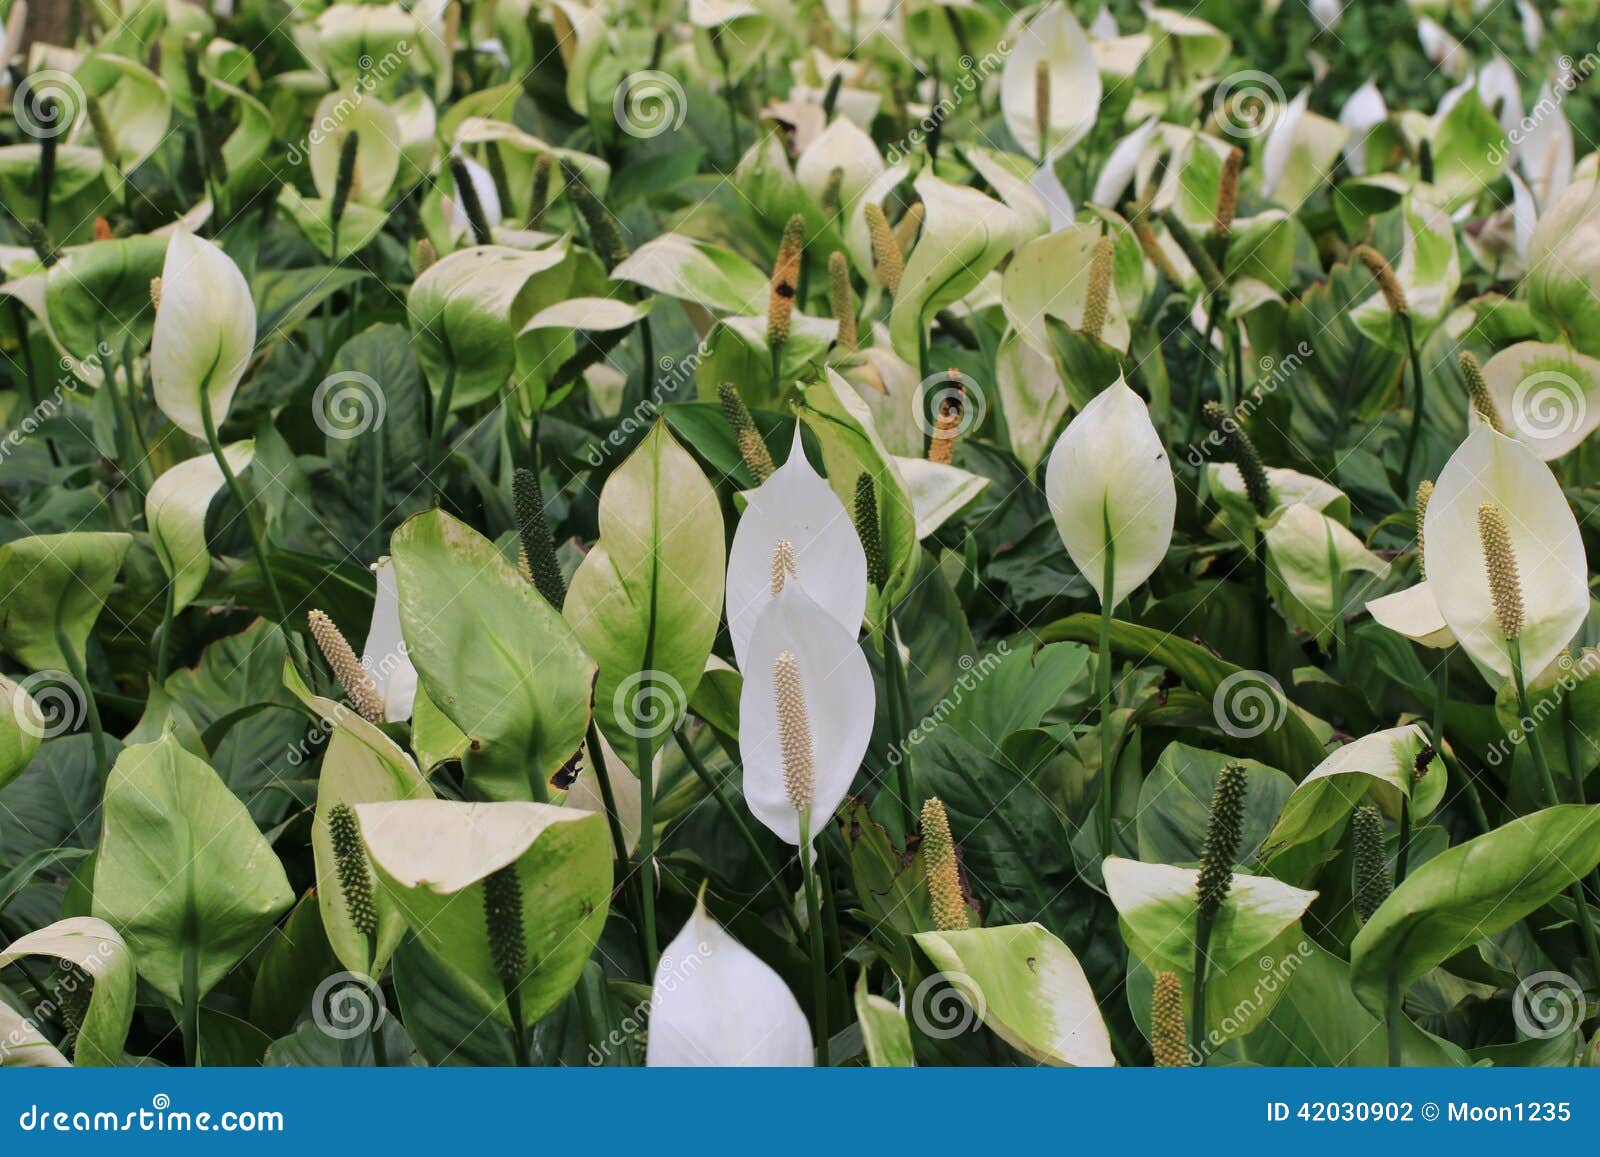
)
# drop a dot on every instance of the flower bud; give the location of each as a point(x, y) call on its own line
point(752, 448)
point(1168, 1033)
point(1500, 560)
point(794, 729)
point(351, 869)
point(888, 262)
point(1223, 833)
point(941, 868)
point(1372, 865)
point(347, 668)
point(533, 529)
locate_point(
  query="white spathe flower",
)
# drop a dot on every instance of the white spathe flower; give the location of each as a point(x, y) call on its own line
point(715, 1004)
point(1532, 25)
point(1363, 112)
point(1564, 263)
point(1123, 162)
point(1109, 477)
point(488, 197)
point(1441, 48)
point(1552, 571)
point(795, 505)
point(1054, 38)
point(834, 712)
point(205, 332)
point(1327, 13)
point(844, 146)
point(384, 655)
point(1300, 152)
point(1546, 152)
point(1414, 613)
point(1548, 396)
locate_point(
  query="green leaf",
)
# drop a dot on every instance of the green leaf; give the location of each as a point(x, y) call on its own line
point(96, 949)
point(1471, 892)
point(101, 293)
point(19, 738)
point(1028, 987)
point(465, 313)
point(432, 856)
point(521, 692)
point(690, 270)
point(296, 961)
point(1257, 929)
point(181, 869)
point(647, 598)
point(361, 765)
point(52, 587)
point(1287, 741)
point(883, 1029)
point(1175, 803)
point(1381, 764)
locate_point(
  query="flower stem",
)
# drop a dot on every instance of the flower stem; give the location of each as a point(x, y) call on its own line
point(76, 668)
point(819, 964)
point(899, 695)
point(1197, 1007)
point(1416, 401)
point(163, 645)
point(619, 842)
point(720, 794)
point(647, 843)
point(1591, 944)
point(1103, 677)
point(257, 541)
point(441, 415)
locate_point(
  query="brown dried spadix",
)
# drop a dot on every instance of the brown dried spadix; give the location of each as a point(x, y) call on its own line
point(785, 282)
point(1500, 560)
point(1228, 192)
point(1388, 284)
point(1168, 1033)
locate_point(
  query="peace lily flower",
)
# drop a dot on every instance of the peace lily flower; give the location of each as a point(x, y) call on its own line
point(1441, 48)
point(1545, 154)
point(795, 506)
point(844, 148)
point(1364, 111)
point(488, 197)
point(715, 1004)
point(384, 656)
point(964, 235)
point(1549, 571)
point(1547, 395)
point(205, 332)
point(1110, 489)
point(1564, 264)
point(1300, 151)
point(1050, 85)
point(805, 710)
